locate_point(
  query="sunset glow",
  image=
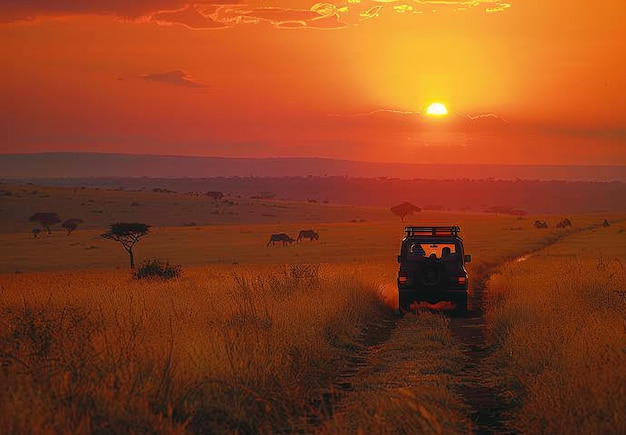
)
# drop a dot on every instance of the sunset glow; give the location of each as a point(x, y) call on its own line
point(344, 79)
point(436, 109)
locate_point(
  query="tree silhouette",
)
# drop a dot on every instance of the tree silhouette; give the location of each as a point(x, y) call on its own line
point(505, 209)
point(499, 209)
point(405, 209)
point(45, 219)
point(127, 234)
point(71, 225)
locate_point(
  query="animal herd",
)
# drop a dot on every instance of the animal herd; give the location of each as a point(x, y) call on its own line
point(565, 223)
point(311, 235)
point(286, 239)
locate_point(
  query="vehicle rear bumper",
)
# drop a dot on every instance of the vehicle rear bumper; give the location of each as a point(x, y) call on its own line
point(456, 297)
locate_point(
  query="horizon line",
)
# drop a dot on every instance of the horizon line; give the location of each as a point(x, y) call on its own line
point(311, 158)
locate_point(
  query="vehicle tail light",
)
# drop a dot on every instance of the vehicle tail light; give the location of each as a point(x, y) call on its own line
point(402, 278)
point(462, 280)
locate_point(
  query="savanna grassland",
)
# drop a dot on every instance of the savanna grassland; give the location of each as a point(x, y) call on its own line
point(557, 320)
point(264, 339)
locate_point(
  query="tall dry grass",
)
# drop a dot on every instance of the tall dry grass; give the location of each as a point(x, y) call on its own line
point(558, 321)
point(227, 348)
point(409, 384)
point(217, 350)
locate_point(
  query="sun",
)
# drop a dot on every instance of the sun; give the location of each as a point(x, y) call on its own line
point(436, 109)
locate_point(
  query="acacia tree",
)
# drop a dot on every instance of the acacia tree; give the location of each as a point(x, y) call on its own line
point(46, 219)
point(71, 225)
point(499, 209)
point(405, 209)
point(127, 234)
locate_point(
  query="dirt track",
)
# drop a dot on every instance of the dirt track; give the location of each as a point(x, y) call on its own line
point(486, 403)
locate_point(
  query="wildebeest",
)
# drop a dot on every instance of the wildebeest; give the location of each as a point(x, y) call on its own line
point(282, 237)
point(606, 223)
point(540, 224)
point(216, 196)
point(564, 223)
point(308, 234)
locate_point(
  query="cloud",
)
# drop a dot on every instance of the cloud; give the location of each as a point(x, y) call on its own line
point(457, 129)
point(215, 14)
point(434, 6)
point(177, 77)
point(189, 16)
point(320, 16)
point(483, 122)
point(405, 128)
point(329, 22)
point(28, 10)
point(400, 121)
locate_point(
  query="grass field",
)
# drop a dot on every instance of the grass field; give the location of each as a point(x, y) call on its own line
point(252, 338)
point(216, 350)
point(558, 320)
point(99, 208)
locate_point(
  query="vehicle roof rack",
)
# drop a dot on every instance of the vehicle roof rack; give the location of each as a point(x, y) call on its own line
point(432, 231)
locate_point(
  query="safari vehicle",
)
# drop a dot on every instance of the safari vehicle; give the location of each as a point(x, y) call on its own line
point(432, 268)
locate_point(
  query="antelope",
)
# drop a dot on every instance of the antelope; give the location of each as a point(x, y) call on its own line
point(282, 237)
point(308, 234)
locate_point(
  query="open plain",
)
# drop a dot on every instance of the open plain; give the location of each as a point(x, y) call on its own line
point(305, 337)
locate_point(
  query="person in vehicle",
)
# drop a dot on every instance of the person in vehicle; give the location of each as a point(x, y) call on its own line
point(417, 250)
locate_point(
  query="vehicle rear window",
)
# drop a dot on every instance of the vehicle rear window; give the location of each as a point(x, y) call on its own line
point(446, 251)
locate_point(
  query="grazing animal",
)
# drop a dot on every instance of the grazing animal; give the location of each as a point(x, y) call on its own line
point(216, 196)
point(540, 224)
point(282, 237)
point(606, 223)
point(308, 234)
point(564, 223)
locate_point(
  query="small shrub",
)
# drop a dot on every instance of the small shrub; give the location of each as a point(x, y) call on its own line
point(157, 268)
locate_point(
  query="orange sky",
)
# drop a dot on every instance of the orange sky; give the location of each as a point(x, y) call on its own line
point(528, 81)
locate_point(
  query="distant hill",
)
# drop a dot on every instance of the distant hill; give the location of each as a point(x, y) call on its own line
point(532, 196)
point(80, 165)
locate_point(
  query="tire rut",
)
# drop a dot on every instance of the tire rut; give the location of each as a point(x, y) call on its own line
point(373, 336)
point(486, 402)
